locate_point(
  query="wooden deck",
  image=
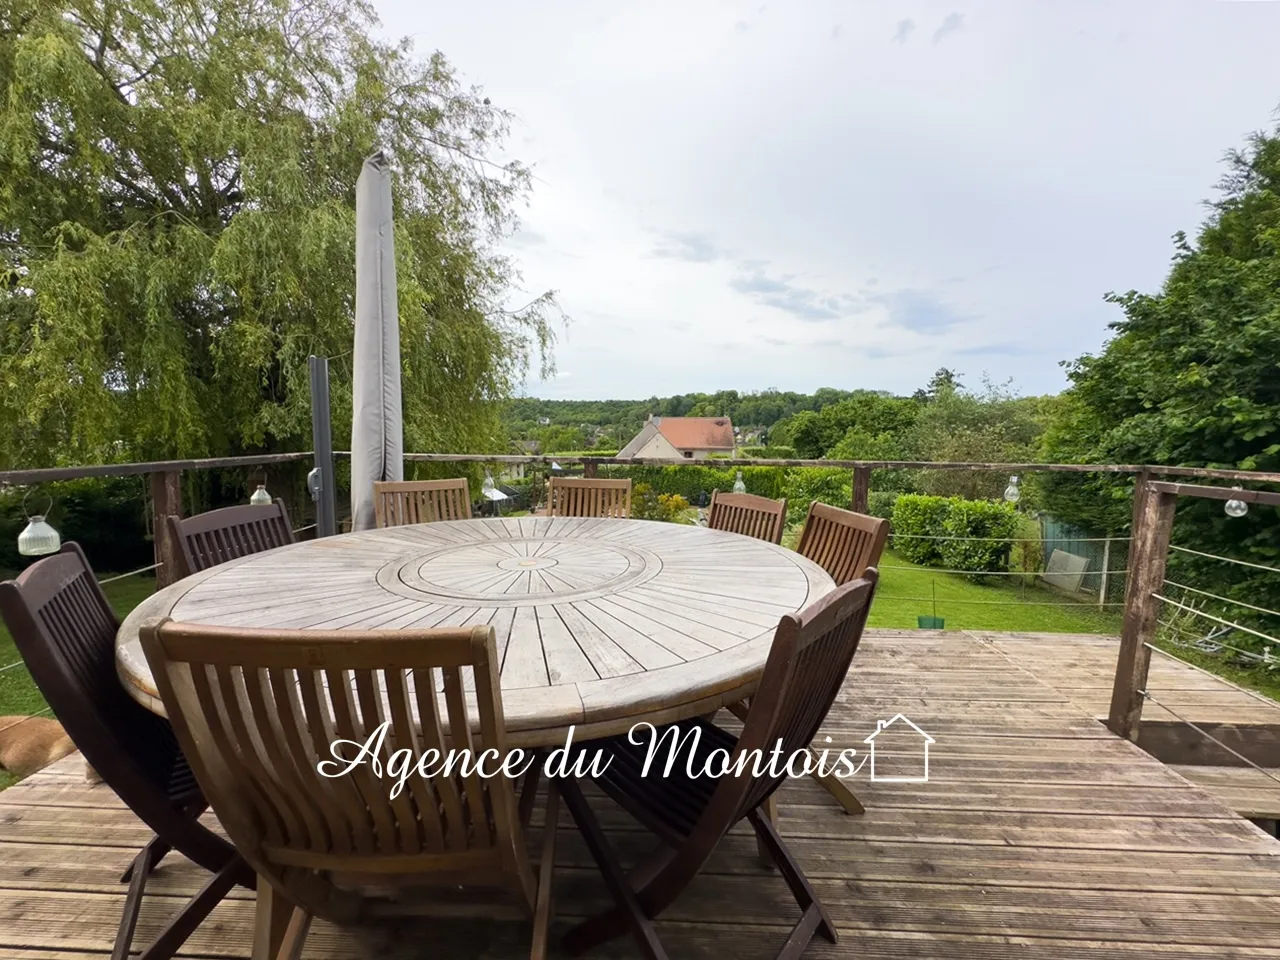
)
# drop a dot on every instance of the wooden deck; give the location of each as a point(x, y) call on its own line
point(1249, 722)
point(1040, 836)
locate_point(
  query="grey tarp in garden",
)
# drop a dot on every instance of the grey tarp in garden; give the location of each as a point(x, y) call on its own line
point(377, 428)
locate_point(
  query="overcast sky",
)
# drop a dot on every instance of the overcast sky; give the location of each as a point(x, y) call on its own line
point(801, 194)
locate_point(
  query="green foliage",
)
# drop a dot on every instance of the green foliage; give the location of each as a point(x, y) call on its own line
point(991, 523)
point(177, 229)
point(768, 453)
point(1189, 378)
point(917, 515)
point(880, 503)
point(555, 439)
point(805, 484)
point(866, 413)
point(105, 516)
point(696, 482)
point(648, 504)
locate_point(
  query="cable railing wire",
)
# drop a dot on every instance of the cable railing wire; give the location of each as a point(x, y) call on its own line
point(131, 573)
point(977, 573)
point(1208, 736)
point(1218, 644)
point(1214, 596)
point(1209, 616)
point(39, 713)
point(1214, 556)
point(923, 536)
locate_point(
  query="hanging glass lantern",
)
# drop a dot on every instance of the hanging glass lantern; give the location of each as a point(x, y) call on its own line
point(1011, 492)
point(260, 496)
point(486, 487)
point(738, 485)
point(38, 537)
point(1235, 508)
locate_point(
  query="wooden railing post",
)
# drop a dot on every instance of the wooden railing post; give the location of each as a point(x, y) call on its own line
point(1152, 525)
point(861, 488)
point(166, 499)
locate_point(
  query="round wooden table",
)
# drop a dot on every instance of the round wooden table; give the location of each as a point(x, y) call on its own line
point(600, 623)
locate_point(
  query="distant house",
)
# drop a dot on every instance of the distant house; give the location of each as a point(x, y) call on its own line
point(669, 438)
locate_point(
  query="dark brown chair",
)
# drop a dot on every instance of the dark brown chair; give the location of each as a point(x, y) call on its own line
point(66, 630)
point(842, 542)
point(217, 536)
point(749, 515)
point(811, 654)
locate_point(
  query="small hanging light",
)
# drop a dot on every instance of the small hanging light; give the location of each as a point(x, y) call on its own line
point(486, 487)
point(1235, 508)
point(1011, 492)
point(260, 496)
point(738, 485)
point(38, 537)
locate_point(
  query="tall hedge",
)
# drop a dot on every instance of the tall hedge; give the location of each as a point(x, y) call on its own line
point(972, 535)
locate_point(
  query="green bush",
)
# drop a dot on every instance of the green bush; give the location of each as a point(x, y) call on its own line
point(106, 516)
point(696, 482)
point(648, 504)
point(917, 515)
point(993, 522)
point(880, 503)
point(826, 484)
point(769, 453)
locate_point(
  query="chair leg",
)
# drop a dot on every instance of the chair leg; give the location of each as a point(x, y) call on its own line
point(770, 808)
point(137, 874)
point(627, 913)
point(838, 789)
point(158, 849)
point(544, 912)
point(280, 928)
point(177, 930)
point(529, 793)
point(801, 889)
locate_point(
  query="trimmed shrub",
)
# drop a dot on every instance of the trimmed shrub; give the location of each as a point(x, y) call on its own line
point(695, 482)
point(832, 485)
point(917, 515)
point(993, 522)
point(880, 503)
point(769, 453)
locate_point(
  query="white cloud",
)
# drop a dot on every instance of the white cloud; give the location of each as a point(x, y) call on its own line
point(726, 207)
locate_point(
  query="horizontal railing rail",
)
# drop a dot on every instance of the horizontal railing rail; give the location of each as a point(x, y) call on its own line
point(48, 474)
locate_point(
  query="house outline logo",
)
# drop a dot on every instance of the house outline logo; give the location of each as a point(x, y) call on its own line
point(881, 726)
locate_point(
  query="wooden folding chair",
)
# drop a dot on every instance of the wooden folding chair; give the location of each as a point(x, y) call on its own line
point(749, 515)
point(400, 502)
point(66, 630)
point(807, 665)
point(258, 711)
point(581, 497)
point(216, 536)
point(842, 542)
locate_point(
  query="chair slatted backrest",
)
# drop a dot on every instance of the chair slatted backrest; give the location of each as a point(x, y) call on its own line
point(65, 629)
point(229, 533)
point(257, 711)
point(811, 655)
point(397, 503)
point(842, 542)
point(749, 515)
point(581, 497)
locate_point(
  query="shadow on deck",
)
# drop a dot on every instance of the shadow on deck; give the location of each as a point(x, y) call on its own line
point(1039, 835)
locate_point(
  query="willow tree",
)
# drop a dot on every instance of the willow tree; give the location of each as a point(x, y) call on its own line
point(177, 227)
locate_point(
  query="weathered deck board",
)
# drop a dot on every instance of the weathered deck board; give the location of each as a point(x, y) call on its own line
point(1082, 670)
point(1039, 836)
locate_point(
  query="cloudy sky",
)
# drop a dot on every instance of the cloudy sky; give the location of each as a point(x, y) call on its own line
point(801, 194)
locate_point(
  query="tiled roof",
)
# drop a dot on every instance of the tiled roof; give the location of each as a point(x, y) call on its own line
point(697, 433)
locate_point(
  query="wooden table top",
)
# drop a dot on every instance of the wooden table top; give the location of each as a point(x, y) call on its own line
point(599, 623)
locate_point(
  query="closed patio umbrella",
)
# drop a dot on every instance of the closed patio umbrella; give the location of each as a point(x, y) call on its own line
point(377, 427)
